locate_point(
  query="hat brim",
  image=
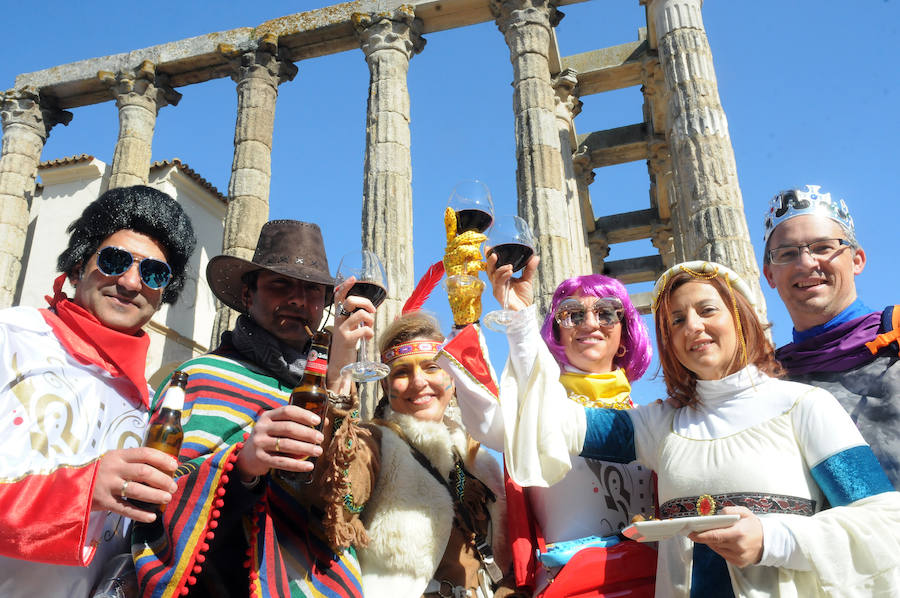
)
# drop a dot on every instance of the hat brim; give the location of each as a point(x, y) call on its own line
point(224, 274)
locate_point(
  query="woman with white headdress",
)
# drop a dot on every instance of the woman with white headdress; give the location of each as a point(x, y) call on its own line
point(732, 439)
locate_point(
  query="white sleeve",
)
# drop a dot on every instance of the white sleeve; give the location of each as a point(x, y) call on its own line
point(779, 545)
point(542, 427)
point(524, 339)
point(480, 410)
point(856, 543)
point(822, 426)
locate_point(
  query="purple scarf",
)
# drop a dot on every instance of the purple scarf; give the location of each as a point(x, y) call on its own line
point(837, 350)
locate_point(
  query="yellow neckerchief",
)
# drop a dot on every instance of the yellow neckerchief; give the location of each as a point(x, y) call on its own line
point(610, 390)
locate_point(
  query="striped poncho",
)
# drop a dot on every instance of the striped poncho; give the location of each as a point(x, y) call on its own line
point(285, 550)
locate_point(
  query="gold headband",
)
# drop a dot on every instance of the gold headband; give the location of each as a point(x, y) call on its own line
point(707, 271)
point(410, 348)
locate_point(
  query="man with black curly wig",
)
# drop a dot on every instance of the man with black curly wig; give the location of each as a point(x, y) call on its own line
point(74, 399)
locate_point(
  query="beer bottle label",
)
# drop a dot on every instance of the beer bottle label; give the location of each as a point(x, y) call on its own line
point(317, 361)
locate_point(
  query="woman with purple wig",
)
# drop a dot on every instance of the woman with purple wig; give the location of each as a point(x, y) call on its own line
point(591, 346)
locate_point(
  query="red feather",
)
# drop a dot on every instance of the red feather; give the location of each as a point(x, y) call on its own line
point(426, 284)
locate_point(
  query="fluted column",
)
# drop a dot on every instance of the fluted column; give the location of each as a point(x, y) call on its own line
point(526, 24)
point(708, 198)
point(257, 74)
point(389, 40)
point(27, 121)
point(568, 106)
point(139, 95)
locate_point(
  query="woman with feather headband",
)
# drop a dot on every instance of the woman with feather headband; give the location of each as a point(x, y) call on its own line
point(435, 517)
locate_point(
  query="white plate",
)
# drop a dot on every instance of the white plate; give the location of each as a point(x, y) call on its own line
point(660, 529)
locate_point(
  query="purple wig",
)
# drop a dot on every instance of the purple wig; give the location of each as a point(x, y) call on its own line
point(635, 337)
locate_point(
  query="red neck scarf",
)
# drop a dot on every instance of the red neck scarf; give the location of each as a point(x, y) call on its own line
point(86, 339)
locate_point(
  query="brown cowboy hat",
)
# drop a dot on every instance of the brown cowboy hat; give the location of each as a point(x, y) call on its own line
point(289, 247)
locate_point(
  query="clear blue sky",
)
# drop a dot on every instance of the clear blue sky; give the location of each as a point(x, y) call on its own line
point(809, 87)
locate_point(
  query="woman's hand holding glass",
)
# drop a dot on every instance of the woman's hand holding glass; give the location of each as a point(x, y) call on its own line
point(511, 246)
point(521, 289)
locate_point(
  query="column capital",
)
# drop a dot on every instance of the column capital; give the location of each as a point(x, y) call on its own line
point(566, 86)
point(507, 13)
point(662, 237)
point(391, 30)
point(599, 249)
point(266, 60)
point(25, 106)
point(659, 160)
point(581, 162)
point(141, 86)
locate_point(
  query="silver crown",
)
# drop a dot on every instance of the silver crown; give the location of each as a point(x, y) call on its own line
point(797, 202)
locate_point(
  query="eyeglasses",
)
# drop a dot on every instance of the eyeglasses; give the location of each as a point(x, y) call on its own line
point(115, 261)
point(572, 313)
point(817, 249)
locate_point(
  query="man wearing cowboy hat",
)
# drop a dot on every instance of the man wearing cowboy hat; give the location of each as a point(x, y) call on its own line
point(74, 398)
point(812, 258)
point(231, 525)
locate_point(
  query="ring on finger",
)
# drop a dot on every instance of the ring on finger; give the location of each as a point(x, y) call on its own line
point(343, 312)
point(124, 489)
point(277, 440)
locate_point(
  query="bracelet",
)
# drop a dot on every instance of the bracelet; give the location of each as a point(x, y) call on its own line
point(343, 402)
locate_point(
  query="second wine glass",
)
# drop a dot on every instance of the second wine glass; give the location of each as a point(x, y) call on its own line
point(371, 283)
point(512, 241)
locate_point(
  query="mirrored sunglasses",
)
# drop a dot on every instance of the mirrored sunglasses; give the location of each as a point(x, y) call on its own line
point(572, 313)
point(115, 261)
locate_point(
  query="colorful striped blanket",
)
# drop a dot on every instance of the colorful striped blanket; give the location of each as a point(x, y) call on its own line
point(287, 554)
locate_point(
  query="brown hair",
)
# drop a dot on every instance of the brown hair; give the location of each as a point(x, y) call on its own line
point(681, 383)
point(411, 326)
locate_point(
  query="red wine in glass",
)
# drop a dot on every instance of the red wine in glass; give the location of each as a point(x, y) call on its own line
point(514, 254)
point(512, 241)
point(472, 219)
point(372, 291)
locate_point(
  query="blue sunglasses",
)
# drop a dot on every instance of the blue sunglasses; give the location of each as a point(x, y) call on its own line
point(115, 261)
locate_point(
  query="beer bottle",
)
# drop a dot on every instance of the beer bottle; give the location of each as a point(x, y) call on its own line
point(165, 433)
point(312, 395)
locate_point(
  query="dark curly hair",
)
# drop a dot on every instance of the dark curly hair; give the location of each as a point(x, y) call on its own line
point(139, 208)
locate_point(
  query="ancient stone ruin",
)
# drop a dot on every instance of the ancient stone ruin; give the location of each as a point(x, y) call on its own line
point(694, 211)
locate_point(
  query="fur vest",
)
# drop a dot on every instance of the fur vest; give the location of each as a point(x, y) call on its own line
point(409, 515)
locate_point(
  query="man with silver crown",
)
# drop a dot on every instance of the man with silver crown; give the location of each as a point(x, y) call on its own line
point(235, 527)
point(840, 344)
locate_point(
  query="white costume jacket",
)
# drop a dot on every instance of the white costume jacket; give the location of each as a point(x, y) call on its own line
point(58, 417)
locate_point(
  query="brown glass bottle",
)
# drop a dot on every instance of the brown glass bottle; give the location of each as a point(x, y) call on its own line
point(165, 432)
point(311, 394)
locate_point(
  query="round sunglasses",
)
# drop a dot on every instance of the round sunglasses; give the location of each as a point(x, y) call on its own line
point(115, 261)
point(572, 313)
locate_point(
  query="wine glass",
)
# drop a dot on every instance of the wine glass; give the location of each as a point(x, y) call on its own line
point(371, 283)
point(471, 200)
point(513, 242)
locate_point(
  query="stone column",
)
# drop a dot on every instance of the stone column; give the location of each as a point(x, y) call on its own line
point(389, 40)
point(584, 177)
point(710, 220)
point(27, 120)
point(568, 106)
point(542, 202)
point(257, 74)
point(139, 95)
